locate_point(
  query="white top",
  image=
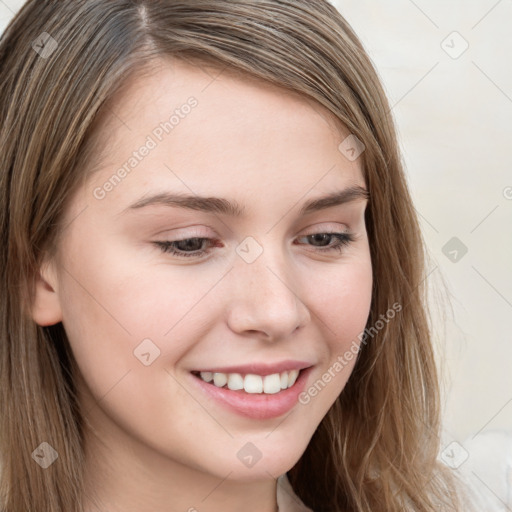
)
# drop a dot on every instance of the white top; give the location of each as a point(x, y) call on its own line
point(287, 500)
point(484, 463)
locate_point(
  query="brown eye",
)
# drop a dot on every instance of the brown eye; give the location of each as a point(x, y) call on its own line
point(186, 248)
point(340, 240)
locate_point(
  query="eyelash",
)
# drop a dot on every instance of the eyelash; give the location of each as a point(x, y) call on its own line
point(342, 240)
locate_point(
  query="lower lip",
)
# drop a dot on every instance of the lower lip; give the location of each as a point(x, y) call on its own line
point(256, 405)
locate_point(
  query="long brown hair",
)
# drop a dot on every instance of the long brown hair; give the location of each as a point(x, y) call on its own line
point(376, 449)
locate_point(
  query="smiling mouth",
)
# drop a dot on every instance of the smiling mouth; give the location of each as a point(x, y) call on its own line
point(250, 383)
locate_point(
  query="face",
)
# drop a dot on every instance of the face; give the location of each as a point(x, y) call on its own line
point(152, 291)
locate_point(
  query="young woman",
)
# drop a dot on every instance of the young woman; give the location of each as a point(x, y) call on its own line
point(213, 276)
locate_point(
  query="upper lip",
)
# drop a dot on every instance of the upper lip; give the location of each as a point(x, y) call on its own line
point(260, 368)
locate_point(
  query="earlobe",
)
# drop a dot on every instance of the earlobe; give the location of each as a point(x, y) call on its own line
point(46, 308)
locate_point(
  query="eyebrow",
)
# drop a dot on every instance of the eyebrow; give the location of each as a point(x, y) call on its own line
point(233, 208)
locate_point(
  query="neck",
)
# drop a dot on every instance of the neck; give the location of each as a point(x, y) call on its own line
point(123, 474)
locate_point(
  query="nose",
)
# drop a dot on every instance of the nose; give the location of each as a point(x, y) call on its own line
point(265, 298)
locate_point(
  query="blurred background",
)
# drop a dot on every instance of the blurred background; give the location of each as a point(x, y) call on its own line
point(447, 70)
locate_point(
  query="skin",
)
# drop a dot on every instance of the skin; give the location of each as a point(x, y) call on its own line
point(155, 443)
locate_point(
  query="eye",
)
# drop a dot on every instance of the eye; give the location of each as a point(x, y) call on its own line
point(179, 247)
point(194, 247)
point(340, 240)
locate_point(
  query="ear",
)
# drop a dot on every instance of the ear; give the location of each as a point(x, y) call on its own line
point(46, 308)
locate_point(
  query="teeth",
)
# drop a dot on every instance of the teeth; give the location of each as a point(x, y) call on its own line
point(220, 379)
point(272, 383)
point(250, 383)
point(292, 377)
point(207, 376)
point(253, 384)
point(235, 381)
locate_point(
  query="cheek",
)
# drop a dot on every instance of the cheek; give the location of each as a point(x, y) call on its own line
point(110, 304)
point(127, 329)
point(342, 299)
point(130, 320)
point(342, 306)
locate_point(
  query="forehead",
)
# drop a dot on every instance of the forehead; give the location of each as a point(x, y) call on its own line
point(163, 84)
point(241, 133)
point(165, 75)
